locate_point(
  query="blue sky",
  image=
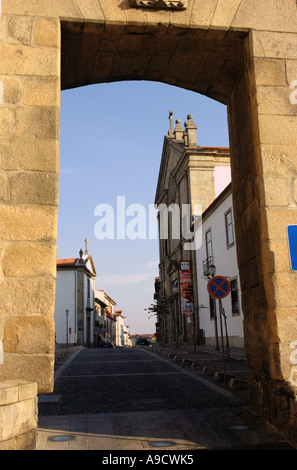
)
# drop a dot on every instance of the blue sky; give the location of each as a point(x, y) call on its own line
point(111, 144)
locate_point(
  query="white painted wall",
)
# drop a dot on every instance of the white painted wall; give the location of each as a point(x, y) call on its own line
point(222, 177)
point(92, 301)
point(119, 330)
point(226, 265)
point(65, 300)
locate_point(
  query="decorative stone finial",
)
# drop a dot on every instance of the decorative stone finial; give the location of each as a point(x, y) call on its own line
point(81, 253)
point(185, 133)
point(191, 131)
point(86, 246)
point(178, 131)
point(171, 131)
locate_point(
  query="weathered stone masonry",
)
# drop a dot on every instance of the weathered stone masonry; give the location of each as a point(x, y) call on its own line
point(240, 52)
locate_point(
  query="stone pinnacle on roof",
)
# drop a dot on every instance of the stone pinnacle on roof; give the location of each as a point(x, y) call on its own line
point(191, 131)
point(178, 131)
point(171, 131)
point(81, 253)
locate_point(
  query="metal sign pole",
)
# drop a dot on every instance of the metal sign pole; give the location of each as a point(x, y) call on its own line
point(219, 287)
point(227, 338)
point(223, 349)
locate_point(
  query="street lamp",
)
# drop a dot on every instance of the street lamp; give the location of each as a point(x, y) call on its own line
point(67, 315)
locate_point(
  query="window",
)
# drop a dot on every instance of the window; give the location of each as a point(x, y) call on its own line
point(229, 228)
point(208, 240)
point(234, 297)
point(166, 247)
point(212, 307)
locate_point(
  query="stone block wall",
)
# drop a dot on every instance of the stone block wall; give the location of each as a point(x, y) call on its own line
point(29, 149)
point(263, 163)
point(18, 415)
point(240, 52)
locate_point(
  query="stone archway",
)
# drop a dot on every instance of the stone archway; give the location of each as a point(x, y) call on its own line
point(238, 52)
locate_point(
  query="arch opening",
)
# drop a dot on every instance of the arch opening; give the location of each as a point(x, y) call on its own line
point(205, 61)
point(214, 63)
point(111, 144)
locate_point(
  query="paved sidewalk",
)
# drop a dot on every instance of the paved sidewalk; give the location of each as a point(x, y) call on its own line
point(229, 373)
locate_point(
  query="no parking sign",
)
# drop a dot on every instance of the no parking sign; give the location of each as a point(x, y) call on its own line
point(218, 287)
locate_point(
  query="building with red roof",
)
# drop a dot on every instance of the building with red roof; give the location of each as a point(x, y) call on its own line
point(74, 304)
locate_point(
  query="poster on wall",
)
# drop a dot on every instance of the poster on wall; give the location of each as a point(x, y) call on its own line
point(186, 289)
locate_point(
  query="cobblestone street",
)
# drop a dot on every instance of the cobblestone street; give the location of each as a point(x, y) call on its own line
point(129, 399)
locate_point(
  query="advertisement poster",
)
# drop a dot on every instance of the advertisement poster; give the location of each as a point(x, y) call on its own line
point(186, 289)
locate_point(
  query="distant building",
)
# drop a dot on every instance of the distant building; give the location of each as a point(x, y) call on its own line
point(122, 330)
point(105, 321)
point(109, 323)
point(219, 250)
point(83, 315)
point(128, 340)
point(186, 181)
point(74, 303)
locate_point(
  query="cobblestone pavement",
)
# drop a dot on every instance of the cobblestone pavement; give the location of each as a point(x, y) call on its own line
point(229, 373)
point(63, 354)
point(130, 399)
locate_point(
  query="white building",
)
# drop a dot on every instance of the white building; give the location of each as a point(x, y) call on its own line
point(109, 323)
point(127, 336)
point(120, 328)
point(122, 331)
point(219, 249)
point(105, 322)
point(74, 303)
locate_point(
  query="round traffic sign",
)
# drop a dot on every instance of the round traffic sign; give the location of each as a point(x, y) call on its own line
point(218, 287)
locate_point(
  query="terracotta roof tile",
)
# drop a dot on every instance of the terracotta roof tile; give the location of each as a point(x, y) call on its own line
point(67, 262)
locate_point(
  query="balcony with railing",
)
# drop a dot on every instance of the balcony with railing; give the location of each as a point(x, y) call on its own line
point(208, 266)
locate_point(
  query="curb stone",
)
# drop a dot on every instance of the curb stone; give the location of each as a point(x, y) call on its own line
point(238, 384)
point(219, 376)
